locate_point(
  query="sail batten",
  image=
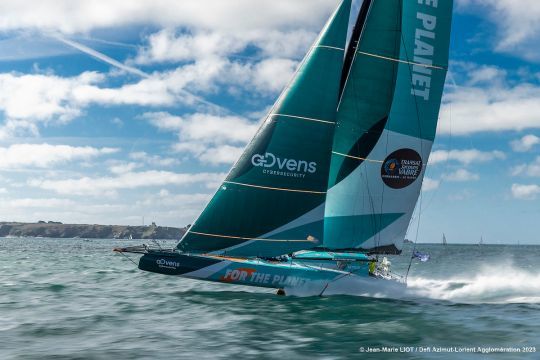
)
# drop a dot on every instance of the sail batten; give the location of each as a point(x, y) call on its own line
point(403, 61)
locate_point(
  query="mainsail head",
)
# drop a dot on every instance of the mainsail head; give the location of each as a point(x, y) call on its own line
point(386, 123)
point(272, 201)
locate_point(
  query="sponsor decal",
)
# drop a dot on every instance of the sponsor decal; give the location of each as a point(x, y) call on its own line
point(401, 168)
point(277, 166)
point(251, 276)
point(167, 264)
point(424, 49)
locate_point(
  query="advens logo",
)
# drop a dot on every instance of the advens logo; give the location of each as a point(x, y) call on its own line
point(274, 165)
point(167, 264)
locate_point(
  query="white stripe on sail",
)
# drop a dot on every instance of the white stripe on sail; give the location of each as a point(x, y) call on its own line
point(276, 189)
point(357, 158)
point(362, 159)
point(246, 238)
point(402, 61)
point(305, 118)
point(329, 47)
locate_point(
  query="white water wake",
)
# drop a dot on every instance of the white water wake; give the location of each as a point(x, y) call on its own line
point(494, 285)
point(501, 284)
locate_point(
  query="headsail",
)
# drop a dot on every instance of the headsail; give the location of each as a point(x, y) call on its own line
point(272, 201)
point(386, 123)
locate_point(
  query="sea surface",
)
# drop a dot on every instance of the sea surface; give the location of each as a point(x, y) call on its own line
point(76, 299)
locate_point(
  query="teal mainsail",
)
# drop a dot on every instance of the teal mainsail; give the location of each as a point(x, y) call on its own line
point(386, 123)
point(272, 201)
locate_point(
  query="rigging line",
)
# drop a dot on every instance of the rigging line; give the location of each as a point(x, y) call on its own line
point(417, 108)
point(416, 238)
point(396, 70)
point(130, 259)
point(450, 147)
point(350, 273)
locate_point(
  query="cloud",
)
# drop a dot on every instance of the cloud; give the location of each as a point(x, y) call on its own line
point(225, 154)
point(525, 192)
point(121, 168)
point(531, 169)
point(465, 157)
point(40, 96)
point(273, 74)
point(40, 203)
point(430, 184)
point(489, 101)
point(30, 99)
point(238, 15)
point(461, 175)
point(45, 155)
point(98, 186)
point(525, 144)
point(462, 195)
point(517, 24)
point(153, 160)
point(212, 139)
point(170, 46)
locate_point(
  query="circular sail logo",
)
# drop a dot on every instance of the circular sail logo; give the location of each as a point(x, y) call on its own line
point(401, 168)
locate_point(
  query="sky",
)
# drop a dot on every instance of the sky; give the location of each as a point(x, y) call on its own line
point(124, 112)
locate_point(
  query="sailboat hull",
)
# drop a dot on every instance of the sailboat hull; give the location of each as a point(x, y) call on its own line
point(289, 274)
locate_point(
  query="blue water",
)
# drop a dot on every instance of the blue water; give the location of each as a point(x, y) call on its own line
point(75, 299)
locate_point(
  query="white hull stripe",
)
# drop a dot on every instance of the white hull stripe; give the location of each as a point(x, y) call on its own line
point(402, 61)
point(250, 239)
point(305, 118)
point(276, 189)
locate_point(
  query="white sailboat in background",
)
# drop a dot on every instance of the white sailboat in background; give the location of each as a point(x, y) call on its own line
point(444, 240)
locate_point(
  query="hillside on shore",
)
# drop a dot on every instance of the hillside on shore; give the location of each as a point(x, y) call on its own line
point(65, 231)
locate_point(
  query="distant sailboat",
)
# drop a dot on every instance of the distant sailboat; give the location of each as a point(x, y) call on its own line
point(481, 241)
point(331, 179)
point(444, 240)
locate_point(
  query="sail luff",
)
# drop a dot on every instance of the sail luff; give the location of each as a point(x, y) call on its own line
point(270, 203)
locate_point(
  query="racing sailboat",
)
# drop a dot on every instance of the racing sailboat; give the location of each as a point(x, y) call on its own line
point(329, 183)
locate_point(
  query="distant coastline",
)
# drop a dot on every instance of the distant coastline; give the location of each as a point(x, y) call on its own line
point(51, 229)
